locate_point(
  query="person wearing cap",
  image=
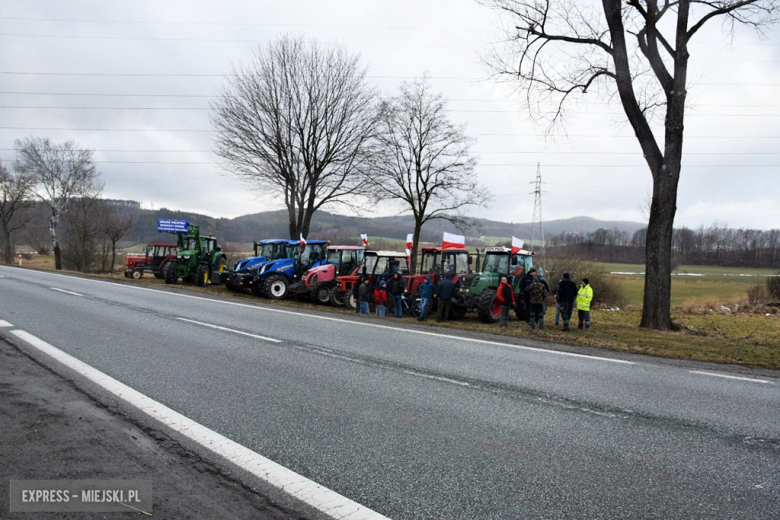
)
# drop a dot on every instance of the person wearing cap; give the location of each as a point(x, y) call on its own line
point(584, 297)
point(380, 298)
point(427, 289)
point(567, 293)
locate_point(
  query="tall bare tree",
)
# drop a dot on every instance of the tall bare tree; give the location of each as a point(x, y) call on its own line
point(16, 189)
point(639, 48)
point(424, 160)
point(114, 227)
point(62, 171)
point(298, 121)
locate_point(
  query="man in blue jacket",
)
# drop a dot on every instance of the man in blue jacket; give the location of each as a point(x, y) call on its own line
point(426, 293)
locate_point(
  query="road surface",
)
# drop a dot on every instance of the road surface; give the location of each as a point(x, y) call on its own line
point(413, 423)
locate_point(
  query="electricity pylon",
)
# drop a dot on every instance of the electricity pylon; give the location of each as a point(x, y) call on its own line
point(537, 224)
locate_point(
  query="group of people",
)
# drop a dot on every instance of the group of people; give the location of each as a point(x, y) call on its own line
point(535, 291)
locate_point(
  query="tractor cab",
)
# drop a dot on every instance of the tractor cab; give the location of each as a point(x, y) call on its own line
point(318, 282)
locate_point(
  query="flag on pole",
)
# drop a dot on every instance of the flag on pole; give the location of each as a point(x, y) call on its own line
point(517, 245)
point(450, 241)
point(409, 244)
point(364, 238)
point(303, 241)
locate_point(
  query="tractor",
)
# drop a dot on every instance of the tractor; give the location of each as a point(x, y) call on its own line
point(157, 257)
point(436, 262)
point(199, 260)
point(318, 282)
point(241, 276)
point(274, 278)
point(376, 265)
point(479, 290)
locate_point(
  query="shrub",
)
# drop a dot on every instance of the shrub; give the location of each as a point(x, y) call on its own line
point(757, 294)
point(606, 290)
point(773, 287)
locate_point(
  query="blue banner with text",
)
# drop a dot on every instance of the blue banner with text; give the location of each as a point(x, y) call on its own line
point(172, 226)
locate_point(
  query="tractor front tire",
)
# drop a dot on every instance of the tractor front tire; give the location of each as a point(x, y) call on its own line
point(415, 304)
point(488, 307)
point(352, 302)
point(202, 276)
point(276, 287)
point(127, 274)
point(338, 298)
point(169, 273)
point(138, 273)
point(322, 293)
point(457, 312)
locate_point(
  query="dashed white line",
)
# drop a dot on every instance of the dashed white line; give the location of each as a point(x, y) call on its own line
point(234, 331)
point(374, 325)
point(1, 276)
point(730, 377)
point(4, 323)
point(308, 491)
point(66, 292)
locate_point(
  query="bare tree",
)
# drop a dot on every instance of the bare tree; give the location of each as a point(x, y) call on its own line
point(298, 121)
point(114, 227)
point(424, 160)
point(16, 189)
point(638, 48)
point(62, 171)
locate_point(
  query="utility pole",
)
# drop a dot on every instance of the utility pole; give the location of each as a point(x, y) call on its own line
point(537, 225)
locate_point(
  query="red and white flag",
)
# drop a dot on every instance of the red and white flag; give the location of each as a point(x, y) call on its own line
point(409, 244)
point(517, 245)
point(450, 241)
point(303, 241)
point(364, 238)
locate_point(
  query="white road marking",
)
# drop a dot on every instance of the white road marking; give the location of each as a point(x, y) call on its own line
point(4, 323)
point(308, 491)
point(66, 292)
point(230, 330)
point(327, 318)
point(730, 377)
point(1, 276)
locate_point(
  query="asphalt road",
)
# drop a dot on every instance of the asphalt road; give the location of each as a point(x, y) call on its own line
point(417, 425)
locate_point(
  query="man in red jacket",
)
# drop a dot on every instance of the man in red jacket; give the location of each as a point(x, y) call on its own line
point(506, 297)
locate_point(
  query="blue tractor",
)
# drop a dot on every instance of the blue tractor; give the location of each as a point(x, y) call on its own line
point(241, 277)
point(274, 278)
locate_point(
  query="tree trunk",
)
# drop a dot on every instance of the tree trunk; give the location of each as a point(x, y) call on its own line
point(8, 250)
point(292, 223)
point(416, 240)
point(55, 243)
point(113, 257)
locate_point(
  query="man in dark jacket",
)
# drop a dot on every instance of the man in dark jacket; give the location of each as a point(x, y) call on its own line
point(364, 296)
point(427, 289)
point(397, 292)
point(445, 292)
point(525, 282)
point(567, 293)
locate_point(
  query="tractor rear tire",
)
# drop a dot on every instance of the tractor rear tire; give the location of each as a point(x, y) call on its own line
point(488, 307)
point(203, 275)
point(414, 304)
point(338, 298)
point(276, 287)
point(127, 274)
point(322, 293)
point(138, 273)
point(169, 273)
point(457, 312)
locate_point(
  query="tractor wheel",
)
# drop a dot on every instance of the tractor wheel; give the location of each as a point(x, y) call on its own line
point(338, 298)
point(202, 276)
point(258, 287)
point(127, 274)
point(352, 302)
point(138, 273)
point(457, 312)
point(488, 307)
point(322, 293)
point(169, 273)
point(219, 270)
point(414, 304)
point(276, 287)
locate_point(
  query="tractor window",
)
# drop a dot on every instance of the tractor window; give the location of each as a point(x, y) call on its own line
point(524, 263)
point(430, 262)
point(455, 263)
point(310, 255)
point(349, 259)
point(496, 263)
point(269, 251)
point(190, 243)
point(334, 256)
point(208, 245)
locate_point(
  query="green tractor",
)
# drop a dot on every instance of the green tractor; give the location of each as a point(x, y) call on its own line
point(199, 260)
point(479, 290)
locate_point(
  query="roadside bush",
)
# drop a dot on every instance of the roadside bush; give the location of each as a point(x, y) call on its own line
point(773, 287)
point(606, 290)
point(757, 293)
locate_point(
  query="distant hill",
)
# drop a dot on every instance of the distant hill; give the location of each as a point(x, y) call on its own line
point(273, 224)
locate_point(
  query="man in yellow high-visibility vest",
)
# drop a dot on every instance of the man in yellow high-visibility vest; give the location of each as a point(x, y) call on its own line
point(584, 297)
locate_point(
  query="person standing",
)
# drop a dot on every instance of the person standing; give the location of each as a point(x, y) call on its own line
point(567, 293)
point(506, 297)
point(584, 297)
point(558, 303)
point(525, 282)
point(356, 293)
point(445, 292)
point(537, 295)
point(380, 298)
point(427, 289)
point(364, 296)
point(397, 293)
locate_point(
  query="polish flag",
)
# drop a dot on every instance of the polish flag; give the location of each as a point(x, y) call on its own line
point(364, 238)
point(450, 241)
point(517, 245)
point(409, 244)
point(303, 241)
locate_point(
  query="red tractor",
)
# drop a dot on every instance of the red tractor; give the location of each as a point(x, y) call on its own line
point(376, 265)
point(318, 283)
point(157, 255)
point(434, 263)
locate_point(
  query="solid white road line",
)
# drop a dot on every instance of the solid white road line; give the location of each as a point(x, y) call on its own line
point(730, 377)
point(66, 292)
point(4, 323)
point(327, 318)
point(230, 330)
point(308, 491)
point(1, 276)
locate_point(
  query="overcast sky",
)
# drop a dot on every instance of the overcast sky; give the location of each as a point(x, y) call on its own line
point(122, 56)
